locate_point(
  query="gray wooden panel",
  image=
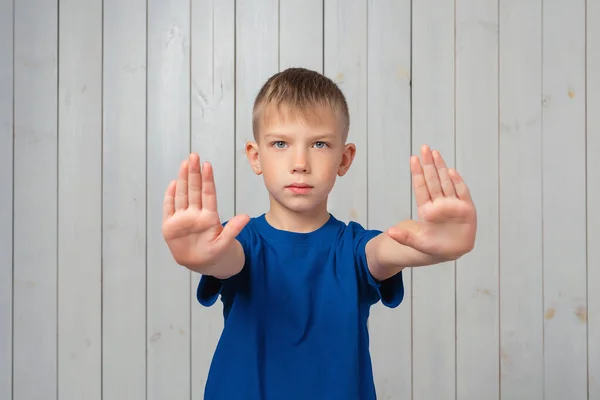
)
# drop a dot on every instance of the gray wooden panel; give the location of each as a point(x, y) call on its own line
point(564, 215)
point(6, 196)
point(520, 229)
point(477, 311)
point(35, 200)
point(346, 63)
point(389, 182)
point(79, 200)
point(257, 49)
point(168, 284)
point(433, 326)
point(593, 197)
point(213, 138)
point(367, 52)
point(301, 34)
point(124, 201)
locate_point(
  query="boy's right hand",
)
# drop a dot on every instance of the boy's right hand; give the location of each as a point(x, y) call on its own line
point(191, 225)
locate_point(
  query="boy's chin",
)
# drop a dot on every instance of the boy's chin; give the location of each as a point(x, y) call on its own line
point(300, 204)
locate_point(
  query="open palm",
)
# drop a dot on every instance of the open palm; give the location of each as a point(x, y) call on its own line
point(447, 220)
point(191, 225)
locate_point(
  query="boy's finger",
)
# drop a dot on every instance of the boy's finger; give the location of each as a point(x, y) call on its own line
point(442, 169)
point(405, 237)
point(168, 202)
point(233, 228)
point(181, 188)
point(431, 176)
point(462, 189)
point(419, 185)
point(195, 182)
point(209, 194)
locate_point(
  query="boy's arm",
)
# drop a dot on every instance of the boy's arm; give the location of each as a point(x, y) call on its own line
point(446, 227)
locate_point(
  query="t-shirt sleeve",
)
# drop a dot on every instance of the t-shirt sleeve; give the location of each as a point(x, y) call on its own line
point(389, 291)
point(210, 287)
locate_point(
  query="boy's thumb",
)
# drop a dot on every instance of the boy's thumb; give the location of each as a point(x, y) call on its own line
point(402, 236)
point(234, 226)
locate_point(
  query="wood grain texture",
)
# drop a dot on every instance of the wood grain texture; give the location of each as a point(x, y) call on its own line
point(6, 197)
point(433, 294)
point(124, 201)
point(91, 302)
point(35, 221)
point(257, 59)
point(346, 64)
point(168, 142)
point(79, 200)
point(593, 197)
point(301, 34)
point(213, 138)
point(520, 175)
point(564, 198)
point(477, 297)
point(389, 181)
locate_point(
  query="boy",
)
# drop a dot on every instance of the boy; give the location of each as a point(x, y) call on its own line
point(296, 283)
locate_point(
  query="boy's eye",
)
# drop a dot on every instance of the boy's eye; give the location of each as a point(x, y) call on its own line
point(320, 145)
point(279, 144)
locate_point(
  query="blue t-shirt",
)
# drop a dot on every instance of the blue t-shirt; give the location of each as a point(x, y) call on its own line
point(295, 317)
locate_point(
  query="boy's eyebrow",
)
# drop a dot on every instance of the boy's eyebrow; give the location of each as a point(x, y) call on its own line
point(276, 135)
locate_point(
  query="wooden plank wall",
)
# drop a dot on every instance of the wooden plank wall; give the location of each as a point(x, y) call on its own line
point(101, 99)
point(124, 200)
point(35, 331)
point(521, 235)
point(6, 195)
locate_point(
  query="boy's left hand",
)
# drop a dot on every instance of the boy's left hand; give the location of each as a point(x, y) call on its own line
point(447, 223)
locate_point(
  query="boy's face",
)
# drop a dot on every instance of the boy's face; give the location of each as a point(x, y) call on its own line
point(300, 158)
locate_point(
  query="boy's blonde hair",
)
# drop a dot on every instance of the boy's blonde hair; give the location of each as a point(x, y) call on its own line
point(300, 90)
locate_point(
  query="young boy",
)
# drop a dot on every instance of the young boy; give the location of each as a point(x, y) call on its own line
point(296, 283)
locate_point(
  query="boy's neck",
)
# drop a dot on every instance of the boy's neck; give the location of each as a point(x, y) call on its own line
point(285, 219)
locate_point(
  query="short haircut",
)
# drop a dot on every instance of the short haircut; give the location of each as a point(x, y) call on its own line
point(300, 90)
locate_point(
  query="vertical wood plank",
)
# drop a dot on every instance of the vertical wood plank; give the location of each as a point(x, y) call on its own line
point(35, 221)
point(124, 201)
point(593, 197)
point(389, 182)
point(433, 124)
point(564, 200)
point(520, 175)
point(79, 199)
point(213, 138)
point(346, 63)
point(301, 34)
point(168, 121)
point(477, 311)
point(257, 58)
point(6, 197)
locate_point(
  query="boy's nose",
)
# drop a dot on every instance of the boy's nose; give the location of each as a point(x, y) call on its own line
point(300, 164)
point(301, 168)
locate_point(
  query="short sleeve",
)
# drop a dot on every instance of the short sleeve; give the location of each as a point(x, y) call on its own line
point(210, 287)
point(389, 291)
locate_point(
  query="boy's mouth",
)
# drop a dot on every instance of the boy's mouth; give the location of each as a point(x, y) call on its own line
point(299, 188)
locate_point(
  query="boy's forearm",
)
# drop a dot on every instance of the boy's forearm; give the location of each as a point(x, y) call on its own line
point(386, 257)
point(230, 262)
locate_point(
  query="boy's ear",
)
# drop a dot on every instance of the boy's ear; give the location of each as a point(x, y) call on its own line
point(347, 158)
point(253, 157)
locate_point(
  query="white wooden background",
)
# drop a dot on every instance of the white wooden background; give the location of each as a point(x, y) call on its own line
point(101, 100)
